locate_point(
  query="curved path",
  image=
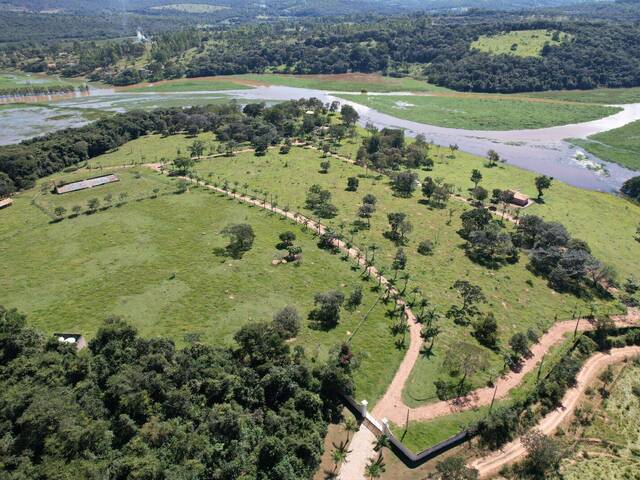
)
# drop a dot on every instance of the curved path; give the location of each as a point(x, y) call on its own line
point(513, 451)
point(392, 406)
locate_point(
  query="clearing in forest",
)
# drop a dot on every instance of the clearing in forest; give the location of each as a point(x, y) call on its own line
point(522, 43)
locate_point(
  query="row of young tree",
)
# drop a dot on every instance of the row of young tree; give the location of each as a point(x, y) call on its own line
point(130, 407)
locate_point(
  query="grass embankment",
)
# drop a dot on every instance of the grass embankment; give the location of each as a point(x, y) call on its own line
point(474, 112)
point(614, 421)
point(521, 43)
point(204, 84)
point(621, 145)
point(604, 96)
point(347, 82)
point(519, 299)
point(17, 80)
point(155, 262)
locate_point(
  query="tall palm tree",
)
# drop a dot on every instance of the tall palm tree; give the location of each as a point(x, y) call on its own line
point(339, 454)
point(350, 426)
point(375, 468)
point(381, 443)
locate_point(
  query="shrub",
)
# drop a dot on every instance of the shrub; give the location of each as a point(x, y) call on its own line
point(287, 322)
point(425, 247)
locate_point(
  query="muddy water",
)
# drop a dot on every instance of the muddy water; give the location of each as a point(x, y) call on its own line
point(541, 150)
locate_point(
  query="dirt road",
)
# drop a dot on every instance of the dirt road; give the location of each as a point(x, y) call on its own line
point(491, 464)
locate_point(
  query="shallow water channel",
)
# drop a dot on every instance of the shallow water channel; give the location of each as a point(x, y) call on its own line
point(542, 150)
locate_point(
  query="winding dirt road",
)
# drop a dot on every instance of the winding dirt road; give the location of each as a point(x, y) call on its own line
point(392, 406)
point(491, 464)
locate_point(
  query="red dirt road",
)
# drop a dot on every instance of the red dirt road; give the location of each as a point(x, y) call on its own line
point(392, 406)
point(491, 464)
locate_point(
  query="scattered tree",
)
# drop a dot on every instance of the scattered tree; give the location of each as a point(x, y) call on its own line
point(287, 322)
point(542, 183)
point(240, 237)
point(326, 313)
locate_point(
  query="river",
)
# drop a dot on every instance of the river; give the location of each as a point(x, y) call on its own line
point(541, 150)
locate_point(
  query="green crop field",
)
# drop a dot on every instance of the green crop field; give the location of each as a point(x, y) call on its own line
point(605, 96)
point(154, 261)
point(522, 43)
point(621, 145)
point(519, 299)
point(352, 82)
point(476, 112)
point(187, 85)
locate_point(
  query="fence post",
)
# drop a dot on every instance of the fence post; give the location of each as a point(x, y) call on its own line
point(363, 408)
point(385, 427)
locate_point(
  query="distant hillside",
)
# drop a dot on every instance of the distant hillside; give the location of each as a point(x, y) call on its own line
point(276, 7)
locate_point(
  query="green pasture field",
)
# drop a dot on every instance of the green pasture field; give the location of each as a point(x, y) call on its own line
point(352, 82)
point(155, 262)
point(519, 299)
point(153, 149)
point(621, 145)
point(607, 222)
point(187, 85)
point(482, 112)
point(616, 422)
point(521, 43)
point(18, 80)
point(605, 96)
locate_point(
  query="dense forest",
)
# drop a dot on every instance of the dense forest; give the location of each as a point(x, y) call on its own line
point(128, 407)
point(595, 54)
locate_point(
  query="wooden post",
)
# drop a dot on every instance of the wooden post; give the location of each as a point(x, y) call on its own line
point(495, 391)
point(406, 422)
point(540, 369)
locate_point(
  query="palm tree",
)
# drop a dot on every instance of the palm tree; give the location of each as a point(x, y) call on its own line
point(339, 454)
point(373, 247)
point(381, 443)
point(350, 426)
point(404, 277)
point(375, 468)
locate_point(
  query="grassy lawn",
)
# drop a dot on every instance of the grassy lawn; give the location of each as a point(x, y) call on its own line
point(19, 80)
point(606, 222)
point(153, 149)
point(422, 435)
point(615, 421)
point(621, 145)
point(187, 85)
point(351, 82)
point(522, 43)
point(154, 262)
point(519, 299)
point(606, 96)
point(482, 113)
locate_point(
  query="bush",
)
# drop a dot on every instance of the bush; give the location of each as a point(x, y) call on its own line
point(287, 322)
point(426, 247)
